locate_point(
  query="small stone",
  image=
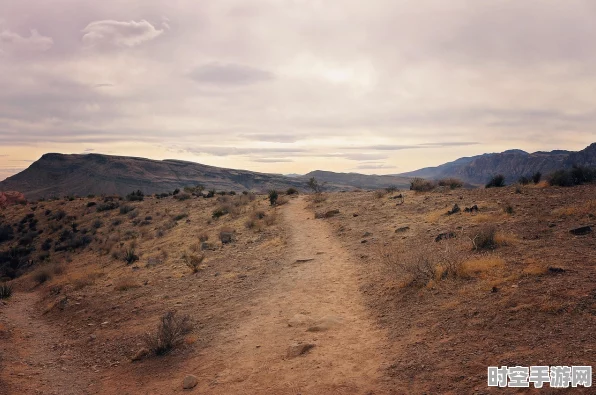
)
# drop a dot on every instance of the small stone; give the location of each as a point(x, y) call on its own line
point(583, 230)
point(190, 381)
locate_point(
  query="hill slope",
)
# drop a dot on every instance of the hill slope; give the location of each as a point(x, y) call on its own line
point(512, 164)
point(58, 175)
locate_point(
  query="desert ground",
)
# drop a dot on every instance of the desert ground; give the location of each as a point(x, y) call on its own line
point(337, 293)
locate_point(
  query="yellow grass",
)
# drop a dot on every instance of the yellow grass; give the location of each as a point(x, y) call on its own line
point(585, 208)
point(534, 268)
point(125, 283)
point(505, 239)
point(477, 267)
point(489, 217)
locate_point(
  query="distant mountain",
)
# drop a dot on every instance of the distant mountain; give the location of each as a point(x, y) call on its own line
point(357, 180)
point(61, 175)
point(512, 164)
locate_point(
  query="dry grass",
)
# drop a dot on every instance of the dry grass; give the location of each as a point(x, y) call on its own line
point(584, 209)
point(481, 266)
point(170, 333)
point(489, 217)
point(193, 261)
point(83, 278)
point(125, 283)
point(505, 239)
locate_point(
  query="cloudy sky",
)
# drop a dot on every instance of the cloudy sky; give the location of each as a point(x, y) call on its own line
point(378, 86)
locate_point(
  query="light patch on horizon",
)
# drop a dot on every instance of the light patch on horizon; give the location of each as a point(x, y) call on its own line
point(290, 87)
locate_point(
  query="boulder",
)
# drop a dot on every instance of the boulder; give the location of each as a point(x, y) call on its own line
point(190, 382)
point(582, 230)
point(297, 349)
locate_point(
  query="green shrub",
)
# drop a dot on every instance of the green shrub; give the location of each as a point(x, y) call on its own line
point(523, 180)
point(6, 233)
point(452, 183)
point(273, 195)
point(536, 177)
point(561, 178)
point(107, 206)
point(125, 209)
point(291, 191)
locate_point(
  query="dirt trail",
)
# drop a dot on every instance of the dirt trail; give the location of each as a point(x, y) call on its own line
point(38, 358)
point(316, 301)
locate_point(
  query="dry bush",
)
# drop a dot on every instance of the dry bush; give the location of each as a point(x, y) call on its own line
point(125, 283)
point(422, 185)
point(281, 201)
point(226, 235)
point(380, 193)
point(169, 334)
point(42, 275)
point(83, 279)
point(270, 219)
point(193, 261)
point(484, 238)
point(505, 239)
point(5, 290)
point(423, 267)
point(203, 237)
point(318, 198)
point(451, 182)
point(581, 209)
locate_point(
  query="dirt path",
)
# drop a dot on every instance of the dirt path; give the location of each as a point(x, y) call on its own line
point(35, 356)
point(315, 302)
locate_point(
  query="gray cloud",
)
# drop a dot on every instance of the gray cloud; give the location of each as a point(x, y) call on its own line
point(14, 42)
point(119, 33)
point(225, 74)
point(271, 160)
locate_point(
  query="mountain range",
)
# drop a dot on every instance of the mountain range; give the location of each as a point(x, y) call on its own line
point(83, 174)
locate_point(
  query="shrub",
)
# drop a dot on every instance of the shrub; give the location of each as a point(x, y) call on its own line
point(42, 275)
point(561, 178)
point(536, 177)
point(313, 185)
point(523, 180)
point(46, 245)
point(6, 233)
point(130, 257)
point(5, 290)
point(193, 261)
point(180, 216)
point(125, 283)
point(135, 196)
point(451, 182)
point(60, 214)
point(496, 181)
point(107, 206)
point(273, 195)
point(485, 238)
point(421, 185)
point(509, 209)
point(91, 204)
point(581, 175)
point(291, 191)
point(126, 209)
point(97, 224)
point(116, 221)
point(176, 191)
point(182, 196)
point(169, 334)
point(380, 193)
point(219, 212)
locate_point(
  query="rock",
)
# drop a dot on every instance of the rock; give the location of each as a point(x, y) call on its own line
point(553, 269)
point(295, 350)
point(190, 381)
point(355, 215)
point(366, 234)
point(226, 237)
point(472, 209)
point(207, 246)
point(303, 260)
point(454, 210)
point(142, 353)
point(445, 236)
point(363, 241)
point(583, 230)
point(402, 229)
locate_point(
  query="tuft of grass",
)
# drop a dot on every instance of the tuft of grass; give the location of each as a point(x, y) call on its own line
point(478, 267)
point(170, 333)
point(125, 283)
point(193, 261)
point(130, 257)
point(504, 239)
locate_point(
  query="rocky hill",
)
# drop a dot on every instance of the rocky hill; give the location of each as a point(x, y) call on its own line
point(59, 175)
point(512, 164)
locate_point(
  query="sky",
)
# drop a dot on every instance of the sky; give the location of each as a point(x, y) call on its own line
point(290, 86)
